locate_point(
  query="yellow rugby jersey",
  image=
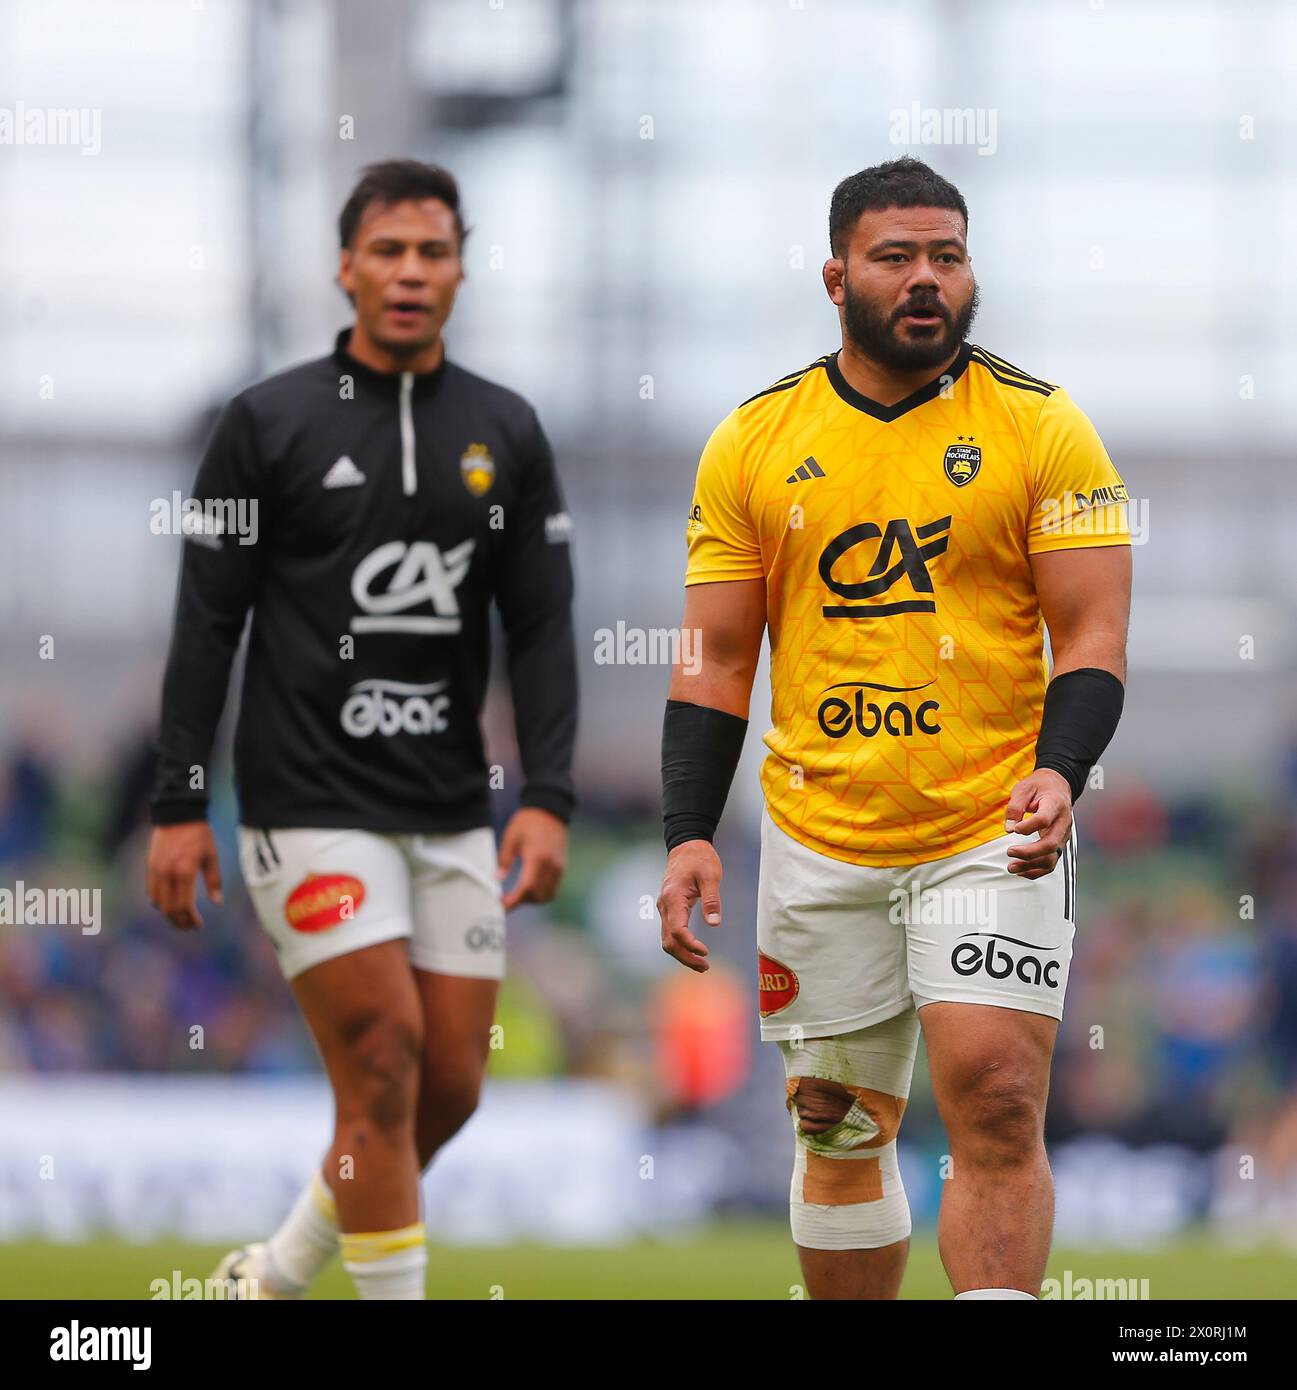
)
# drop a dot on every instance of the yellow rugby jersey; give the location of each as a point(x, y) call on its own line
point(908, 665)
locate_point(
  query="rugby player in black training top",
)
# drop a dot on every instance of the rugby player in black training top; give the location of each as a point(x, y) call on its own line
point(385, 496)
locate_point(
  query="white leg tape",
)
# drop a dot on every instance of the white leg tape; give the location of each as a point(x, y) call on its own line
point(856, 1225)
point(880, 1057)
point(846, 1191)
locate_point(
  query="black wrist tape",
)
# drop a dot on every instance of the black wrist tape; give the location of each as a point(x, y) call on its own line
point(1081, 713)
point(700, 751)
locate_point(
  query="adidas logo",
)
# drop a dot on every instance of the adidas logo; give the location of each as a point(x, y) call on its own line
point(806, 471)
point(344, 473)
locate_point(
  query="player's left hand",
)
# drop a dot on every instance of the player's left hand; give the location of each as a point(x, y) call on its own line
point(1039, 803)
point(540, 841)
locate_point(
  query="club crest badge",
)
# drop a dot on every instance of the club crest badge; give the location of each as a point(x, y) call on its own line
point(963, 461)
point(477, 468)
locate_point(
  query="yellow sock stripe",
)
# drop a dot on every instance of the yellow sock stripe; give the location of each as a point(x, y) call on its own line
point(363, 1247)
point(323, 1198)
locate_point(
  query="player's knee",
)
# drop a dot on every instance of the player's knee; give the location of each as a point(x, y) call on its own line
point(832, 1116)
point(999, 1116)
point(846, 1191)
point(383, 1079)
point(446, 1104)
point(820, 1104)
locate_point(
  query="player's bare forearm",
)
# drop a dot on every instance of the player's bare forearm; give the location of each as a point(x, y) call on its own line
point(1100, 645)
point(717, 662)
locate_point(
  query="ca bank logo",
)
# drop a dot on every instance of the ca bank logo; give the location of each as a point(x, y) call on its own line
point(902, 553)
point(397, 577)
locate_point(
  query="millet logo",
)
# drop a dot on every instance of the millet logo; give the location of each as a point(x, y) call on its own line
point(1102, 497)
point(913, 549)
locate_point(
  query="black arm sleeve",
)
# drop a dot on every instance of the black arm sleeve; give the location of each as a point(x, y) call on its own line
point(1081, 712)
point(700, 753)
point(219, 575)
point(534, 595)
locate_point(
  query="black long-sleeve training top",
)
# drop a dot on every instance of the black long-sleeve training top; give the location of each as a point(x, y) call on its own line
point(368, 520)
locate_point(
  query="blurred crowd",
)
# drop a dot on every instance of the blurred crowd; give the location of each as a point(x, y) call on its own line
point(1181, 1021)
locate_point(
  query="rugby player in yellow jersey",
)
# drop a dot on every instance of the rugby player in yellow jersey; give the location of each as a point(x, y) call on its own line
point(907, 516)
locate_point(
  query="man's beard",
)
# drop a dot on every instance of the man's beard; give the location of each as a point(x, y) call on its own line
point(874, 334)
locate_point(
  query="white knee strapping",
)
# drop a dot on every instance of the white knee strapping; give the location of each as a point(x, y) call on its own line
point(846, 1190)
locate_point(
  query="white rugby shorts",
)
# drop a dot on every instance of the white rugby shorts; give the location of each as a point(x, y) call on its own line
point(843, 946)
point(322, 893)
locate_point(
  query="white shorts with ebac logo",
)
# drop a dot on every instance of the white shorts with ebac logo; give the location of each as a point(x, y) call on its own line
point(324, 893)
point(843, 946)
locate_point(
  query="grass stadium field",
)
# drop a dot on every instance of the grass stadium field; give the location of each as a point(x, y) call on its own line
point(736, 1261)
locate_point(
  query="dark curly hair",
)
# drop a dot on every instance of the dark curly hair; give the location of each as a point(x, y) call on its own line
point(899, 183)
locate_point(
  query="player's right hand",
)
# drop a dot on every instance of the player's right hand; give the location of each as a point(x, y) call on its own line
point(693, 872)
point(177, 854)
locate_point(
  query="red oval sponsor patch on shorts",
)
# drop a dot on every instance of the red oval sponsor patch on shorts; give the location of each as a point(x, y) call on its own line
point(776, 984)
point(321, 901)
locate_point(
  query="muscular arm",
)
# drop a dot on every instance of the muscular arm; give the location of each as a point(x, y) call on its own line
point(1084, 597)
point(724, 623)
point(700, 748)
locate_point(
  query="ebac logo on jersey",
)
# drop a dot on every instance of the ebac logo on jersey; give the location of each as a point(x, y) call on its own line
point(837, 716)
point(395, 707)
point(912, 550)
